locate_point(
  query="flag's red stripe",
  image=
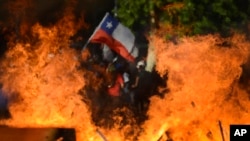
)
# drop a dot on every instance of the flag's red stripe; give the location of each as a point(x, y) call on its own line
point(102, 37)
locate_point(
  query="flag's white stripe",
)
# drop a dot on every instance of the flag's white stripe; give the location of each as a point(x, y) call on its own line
point(124, 36)
point(135, 52)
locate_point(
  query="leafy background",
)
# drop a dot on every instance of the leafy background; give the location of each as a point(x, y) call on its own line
point(188, 17)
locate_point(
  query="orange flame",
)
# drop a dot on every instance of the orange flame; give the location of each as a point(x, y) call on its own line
point(42, 81)
point(203, 82)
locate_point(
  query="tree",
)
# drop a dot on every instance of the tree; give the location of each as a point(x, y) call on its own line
point(187, 16)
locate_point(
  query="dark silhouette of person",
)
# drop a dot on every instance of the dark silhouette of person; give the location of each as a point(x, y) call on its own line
point(141, 88)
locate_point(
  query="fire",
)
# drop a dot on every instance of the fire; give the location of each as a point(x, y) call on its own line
point(204, 90)
point(43, 79)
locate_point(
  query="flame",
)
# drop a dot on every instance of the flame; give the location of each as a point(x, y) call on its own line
point(203, 81)
point(42, 80)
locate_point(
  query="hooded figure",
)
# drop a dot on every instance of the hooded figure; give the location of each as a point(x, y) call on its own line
point(142, 86)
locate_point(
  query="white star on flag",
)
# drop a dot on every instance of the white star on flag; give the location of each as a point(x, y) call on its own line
point(116, 36)
point(109, 25)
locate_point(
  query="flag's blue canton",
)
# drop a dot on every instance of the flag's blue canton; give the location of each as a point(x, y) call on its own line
point(109, 24)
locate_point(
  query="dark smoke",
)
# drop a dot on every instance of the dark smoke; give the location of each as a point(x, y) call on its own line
point(18, 16)
point(31, 11)
point(245, 76)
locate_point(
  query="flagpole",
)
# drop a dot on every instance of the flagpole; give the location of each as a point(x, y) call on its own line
point(115, 9)
point(83, 48)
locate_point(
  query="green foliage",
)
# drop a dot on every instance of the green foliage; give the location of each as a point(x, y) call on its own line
point(133, 12)
point(211, 16)
point(196, 16)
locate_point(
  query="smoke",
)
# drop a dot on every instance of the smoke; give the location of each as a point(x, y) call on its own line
point(30, 11)
point(150, 58)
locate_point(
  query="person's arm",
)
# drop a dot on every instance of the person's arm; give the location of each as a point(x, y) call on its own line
point(136, 82)
point(121, 81)
point(122, 85)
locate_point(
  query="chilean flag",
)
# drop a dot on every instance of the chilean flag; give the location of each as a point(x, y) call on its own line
point(116, 36)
